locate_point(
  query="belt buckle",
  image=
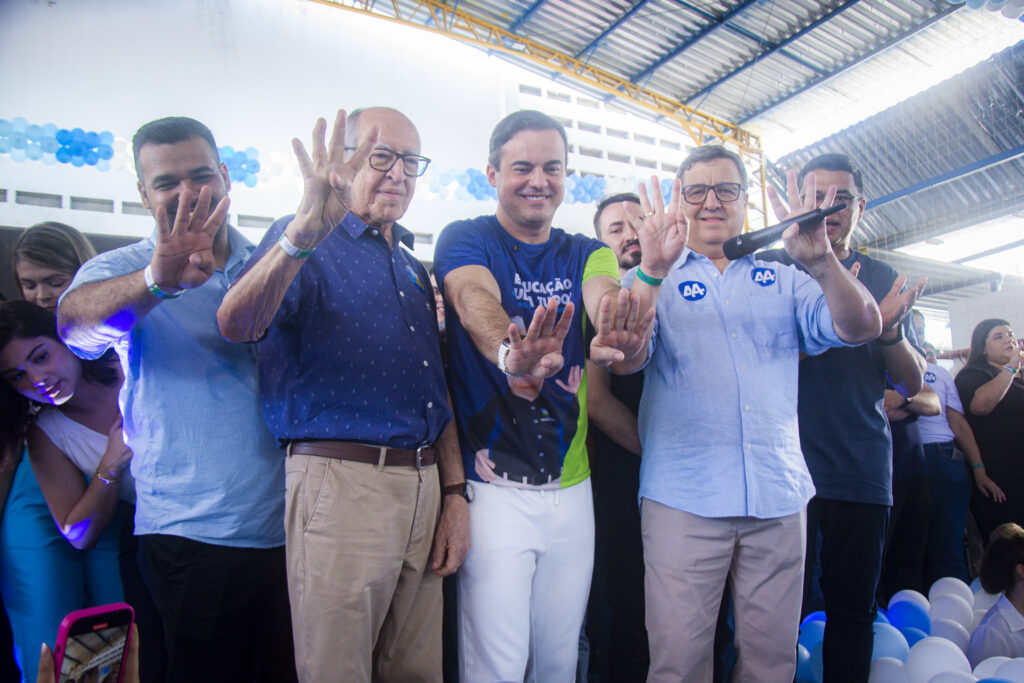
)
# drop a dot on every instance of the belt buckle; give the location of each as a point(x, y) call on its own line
point(419, 457)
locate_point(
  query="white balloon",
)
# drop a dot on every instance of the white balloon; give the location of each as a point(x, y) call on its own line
point(1012, 670)
point(932, 656)
point(888, 670)
point(952, 631)
point(987, 668)
point(910, 596)
point(983, 600)
point(952, 607)
point(950, 585)
point(953, 677)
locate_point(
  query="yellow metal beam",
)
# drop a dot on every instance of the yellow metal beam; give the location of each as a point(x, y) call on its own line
point(456, 24)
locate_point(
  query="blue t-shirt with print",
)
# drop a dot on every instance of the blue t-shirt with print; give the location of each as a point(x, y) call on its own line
point(539, 442)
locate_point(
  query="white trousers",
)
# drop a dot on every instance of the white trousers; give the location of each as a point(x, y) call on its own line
point(524, 585)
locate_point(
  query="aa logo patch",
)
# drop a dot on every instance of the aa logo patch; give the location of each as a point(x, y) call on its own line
point(693, 290)
point(763, 276)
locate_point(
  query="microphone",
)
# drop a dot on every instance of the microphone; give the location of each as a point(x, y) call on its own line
point(741, 245)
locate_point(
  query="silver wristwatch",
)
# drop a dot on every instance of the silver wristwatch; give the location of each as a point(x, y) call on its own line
point(503, 350)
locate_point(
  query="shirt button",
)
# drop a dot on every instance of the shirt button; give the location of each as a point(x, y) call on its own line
point(743, 367)
point(746, 407)
point(733, 335)
point(430, 404)
point(375, 231)
point(748, 446)
point(401, 293)
point(412, 328)
point(726, 302)
point(426, 364)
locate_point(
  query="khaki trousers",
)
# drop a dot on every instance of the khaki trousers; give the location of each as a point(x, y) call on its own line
point(365, 606)
point(688, 559)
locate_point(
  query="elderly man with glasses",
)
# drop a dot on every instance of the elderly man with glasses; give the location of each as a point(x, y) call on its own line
point(723, 484)
point(352, 385)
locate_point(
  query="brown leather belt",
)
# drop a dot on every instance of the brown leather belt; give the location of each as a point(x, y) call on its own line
point(372, 455)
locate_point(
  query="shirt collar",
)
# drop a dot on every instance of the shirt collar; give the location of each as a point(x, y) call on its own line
point(1014, 619)
point(687, 253)
point(355, 227)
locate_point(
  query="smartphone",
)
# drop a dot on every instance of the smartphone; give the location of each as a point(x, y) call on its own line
point(92, 644)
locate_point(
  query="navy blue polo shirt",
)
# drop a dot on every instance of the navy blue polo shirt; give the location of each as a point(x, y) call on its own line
point(353, 353)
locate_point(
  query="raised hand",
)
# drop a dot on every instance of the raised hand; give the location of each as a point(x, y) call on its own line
point(539, 353)
point(620, 335)
point(896, 304)
point(183, 256)
point(326, 181)
point(809, 245)
point(575, 380)
point(661, 230)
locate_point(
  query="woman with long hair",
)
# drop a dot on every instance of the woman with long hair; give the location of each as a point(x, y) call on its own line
point(992, 393)
point(44, 260)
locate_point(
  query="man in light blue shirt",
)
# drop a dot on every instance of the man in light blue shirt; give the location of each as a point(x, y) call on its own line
point(723, 484)
point(209, 478)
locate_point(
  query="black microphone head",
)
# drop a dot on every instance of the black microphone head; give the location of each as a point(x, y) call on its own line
point(735, 247)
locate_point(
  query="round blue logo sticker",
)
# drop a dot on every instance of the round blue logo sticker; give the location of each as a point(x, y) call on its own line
point(692, 290)
point(763, 276)
point(929, 377)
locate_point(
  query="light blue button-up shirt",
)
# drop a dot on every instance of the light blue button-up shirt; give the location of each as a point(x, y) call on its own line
point(718, 418)
point(206, 467)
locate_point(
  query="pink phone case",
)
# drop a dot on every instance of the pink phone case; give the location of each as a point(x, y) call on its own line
point(91, 614)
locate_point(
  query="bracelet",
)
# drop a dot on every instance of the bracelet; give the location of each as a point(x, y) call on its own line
point(896, 340)
point(105, 479)
point(292, 250)
point(977, 465)
point(652, 281)
point(155, 289)
point(503, 349)
point(1011, 370)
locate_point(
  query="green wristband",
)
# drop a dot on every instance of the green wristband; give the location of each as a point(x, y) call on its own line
point(652, 281)
point(977, 465)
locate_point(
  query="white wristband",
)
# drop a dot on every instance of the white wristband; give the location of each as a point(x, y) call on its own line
point(155, 289)
point(292, 250)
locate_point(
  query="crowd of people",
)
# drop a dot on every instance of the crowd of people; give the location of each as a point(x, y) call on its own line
point(629, 451)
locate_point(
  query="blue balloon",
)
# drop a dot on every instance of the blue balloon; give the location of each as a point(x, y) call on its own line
point(77, 162)
point(803, 664)
point(252, 166)
point(5, 127)
point(818, 662)
point(813, 616)
point(64, 136)
point(881, 618)
point(19, 124)
point(103, 165)
point(105, 151)
point(811, 634)
point(250, 180)
point(889, 642)
point(50, 145)
point(77, 148)
point(49, 159)
point(18, 139)
point(49, 130)
point(34, 151)
point(63, 154)
point(908, 614)
point(463, 179)
point(18, 155)
point(106, 138)
point(976, 4)
point(252, 152)
point(5, 146)
point(91, 157)
point(226, 153)
point(913, 635)
point(78, 134)
point(34, 132)
point(91, 139)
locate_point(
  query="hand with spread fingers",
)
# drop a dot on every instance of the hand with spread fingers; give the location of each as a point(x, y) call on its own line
point(326, 182)
point(539, 353)
point(662, 230)
point(621, 334)
point(807, 246)
point(896, 304)
point(183, 256)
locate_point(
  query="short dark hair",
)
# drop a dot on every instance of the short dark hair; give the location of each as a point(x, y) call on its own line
point(168, 131)
point(978, 338)
point(710, 153)
point(1005, 550)
point(608, 201)
point(22, 320)
point(51, 245)
point(832, 162)
point(525, 119)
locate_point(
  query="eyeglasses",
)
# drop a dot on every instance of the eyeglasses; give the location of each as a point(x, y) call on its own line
point(726, 192)
point(383, 160)
point(841, 197)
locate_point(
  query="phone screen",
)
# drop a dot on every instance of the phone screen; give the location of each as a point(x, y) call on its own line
point(95, 647)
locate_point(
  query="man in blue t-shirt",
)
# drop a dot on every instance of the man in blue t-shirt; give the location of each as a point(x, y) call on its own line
point(845, 437)
point(520, 402)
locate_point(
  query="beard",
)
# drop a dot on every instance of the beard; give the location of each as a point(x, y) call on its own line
point(629, 259)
